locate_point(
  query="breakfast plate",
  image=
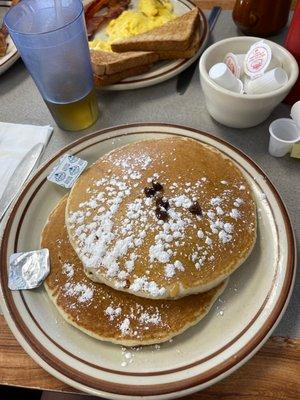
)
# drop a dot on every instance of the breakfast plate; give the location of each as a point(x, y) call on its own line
point(162, 70)
point(237, 326)
point(12, 54)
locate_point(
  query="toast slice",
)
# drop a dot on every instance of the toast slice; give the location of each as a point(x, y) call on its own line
point(104, 80)
point(175, 35)
point(107, 63)
point(179, 54)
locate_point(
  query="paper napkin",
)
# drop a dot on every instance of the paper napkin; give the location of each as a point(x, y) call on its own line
point(15, 141)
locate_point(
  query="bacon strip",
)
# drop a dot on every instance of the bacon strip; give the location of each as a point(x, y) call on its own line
point(93, 7)
point(114, 9)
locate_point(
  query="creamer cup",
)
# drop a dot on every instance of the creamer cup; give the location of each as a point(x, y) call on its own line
point(271, 80)
point(295, 113)
point(222, 75)
point(257, 59)
point(283, 134)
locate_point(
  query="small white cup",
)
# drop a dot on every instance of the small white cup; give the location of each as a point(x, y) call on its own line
point(295, 113)
point(269, 81)
point(222, 75)
point(283, 134)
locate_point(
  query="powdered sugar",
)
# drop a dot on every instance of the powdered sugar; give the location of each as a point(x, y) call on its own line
point(228, 227)
point(224, 236)
point(68, 269)
point(181, 201)
point(235, 214)
point(147, 318)
point(113, 312)
point(208, 241)
point(81, 290)
point(170, 269)
point(143, 284)
point(200, 234)
point(216, 201)
point(124, 326)
point(238, 202)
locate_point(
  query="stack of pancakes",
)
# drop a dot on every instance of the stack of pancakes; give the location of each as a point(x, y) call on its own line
point(144, 243)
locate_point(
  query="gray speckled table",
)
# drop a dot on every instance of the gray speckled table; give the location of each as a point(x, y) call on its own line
point(20, 102)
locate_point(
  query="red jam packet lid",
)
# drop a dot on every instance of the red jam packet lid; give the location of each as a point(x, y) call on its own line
point(257, 59)
point(232, 63)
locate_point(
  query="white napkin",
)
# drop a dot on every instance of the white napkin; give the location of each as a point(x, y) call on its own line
point(15, 141)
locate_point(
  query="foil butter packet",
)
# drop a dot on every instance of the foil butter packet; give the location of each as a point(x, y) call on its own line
point(28, 270)
point(67, 171)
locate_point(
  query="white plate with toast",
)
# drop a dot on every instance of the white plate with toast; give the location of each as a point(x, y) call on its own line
point(163, 70)
point(11, 55)
point(237, 326)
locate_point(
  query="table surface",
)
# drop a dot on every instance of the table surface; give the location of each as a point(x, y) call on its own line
point(21, 103)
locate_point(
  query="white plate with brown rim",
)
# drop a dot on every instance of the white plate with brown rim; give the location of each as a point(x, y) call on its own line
point(236, 327)
point(163, 70)
point(12, 54)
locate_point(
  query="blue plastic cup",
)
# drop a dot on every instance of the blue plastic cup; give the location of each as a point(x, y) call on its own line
point(50, 36)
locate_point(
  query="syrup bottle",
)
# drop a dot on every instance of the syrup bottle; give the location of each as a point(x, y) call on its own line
point(261, 17)
point(292, 43)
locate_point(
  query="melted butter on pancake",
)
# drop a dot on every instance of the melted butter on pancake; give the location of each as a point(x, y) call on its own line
point(123, 242)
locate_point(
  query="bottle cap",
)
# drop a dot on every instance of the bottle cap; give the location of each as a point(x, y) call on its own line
point(267, 82)
point(257, 59)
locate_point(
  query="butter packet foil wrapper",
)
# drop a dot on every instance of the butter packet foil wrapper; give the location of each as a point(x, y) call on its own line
point(28, 270)
point(67, 171)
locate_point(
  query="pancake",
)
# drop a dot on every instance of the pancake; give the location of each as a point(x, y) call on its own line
point(108, 314)
point(131, 238)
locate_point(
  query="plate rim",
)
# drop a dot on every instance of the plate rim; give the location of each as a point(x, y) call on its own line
point(223, 367)
point(14, 54)
point(177, 69)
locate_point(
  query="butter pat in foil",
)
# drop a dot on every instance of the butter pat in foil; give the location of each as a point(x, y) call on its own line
point(28, 270)
point(67, 171)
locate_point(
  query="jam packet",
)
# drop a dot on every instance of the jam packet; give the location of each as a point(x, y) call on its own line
point(67, 171)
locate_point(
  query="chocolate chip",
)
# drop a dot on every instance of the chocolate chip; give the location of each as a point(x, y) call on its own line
point(127, 284)
point(157, 186)
point(161, 202)
point(161, 213)
point(149, 192)
point(195, 208)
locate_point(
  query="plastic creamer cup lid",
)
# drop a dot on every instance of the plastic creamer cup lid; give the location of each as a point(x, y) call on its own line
point(257, 59)
point(295, 113)
point(232, 63)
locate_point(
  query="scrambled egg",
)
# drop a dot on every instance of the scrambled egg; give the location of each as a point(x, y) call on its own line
point(150, 14)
